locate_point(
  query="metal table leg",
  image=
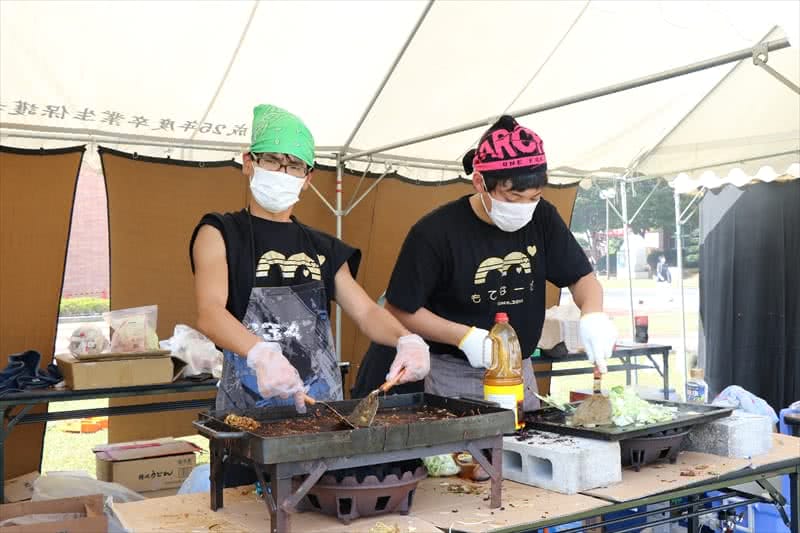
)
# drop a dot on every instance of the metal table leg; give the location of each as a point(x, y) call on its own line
point(794, 498)
point(665, 355)
point(494, 468)
point(627, 360)
point(5, 431)
point(693, 525)
point(217, 452)
point(3, 436)
point(281, 488)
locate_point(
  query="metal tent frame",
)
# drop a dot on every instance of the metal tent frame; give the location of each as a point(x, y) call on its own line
point(381, 155)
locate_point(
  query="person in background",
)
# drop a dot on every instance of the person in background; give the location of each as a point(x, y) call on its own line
point(664, 277)
point(492, 251)
point(264, 283)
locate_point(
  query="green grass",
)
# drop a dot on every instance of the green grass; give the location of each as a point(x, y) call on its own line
point(73, 451)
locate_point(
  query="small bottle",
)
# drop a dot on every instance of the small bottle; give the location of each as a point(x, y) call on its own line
point(696, 387)
point(502, 382)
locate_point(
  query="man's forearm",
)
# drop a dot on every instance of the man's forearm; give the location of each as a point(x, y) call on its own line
point(381, 326)
point(430, 325)
point(587, 294)
point(225, 331)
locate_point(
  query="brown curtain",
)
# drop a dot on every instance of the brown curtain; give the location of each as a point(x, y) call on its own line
point(37, 189)
point(154, 204)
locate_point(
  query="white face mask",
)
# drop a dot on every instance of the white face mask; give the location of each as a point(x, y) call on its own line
point(509, 216)
point(275, 191)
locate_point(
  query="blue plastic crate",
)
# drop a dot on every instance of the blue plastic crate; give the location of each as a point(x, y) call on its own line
point(633, 522)
point(563, 527)
point(765, 519)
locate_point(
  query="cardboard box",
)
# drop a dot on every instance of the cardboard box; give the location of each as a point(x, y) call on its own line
point(20, 488)
point(80, 375)
point(145, 466)
point(93, 519)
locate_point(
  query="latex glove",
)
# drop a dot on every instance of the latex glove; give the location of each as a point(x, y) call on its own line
point(275, 375)
point(598, 335)
point(472, 346)
point(414, 355)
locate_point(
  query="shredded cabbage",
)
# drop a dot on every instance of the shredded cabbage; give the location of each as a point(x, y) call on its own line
point(627, 409)
point(441, 465)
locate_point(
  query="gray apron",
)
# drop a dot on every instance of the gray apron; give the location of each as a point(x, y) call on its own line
point(453, 376)
point(296, 317)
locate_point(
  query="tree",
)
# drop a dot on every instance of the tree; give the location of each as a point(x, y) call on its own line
point(658, 213)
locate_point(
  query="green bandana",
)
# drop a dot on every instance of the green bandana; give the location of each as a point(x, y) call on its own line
point(276, 131)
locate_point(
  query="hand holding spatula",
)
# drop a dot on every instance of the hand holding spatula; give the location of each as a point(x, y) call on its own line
point(366, 409)
point(596, 409)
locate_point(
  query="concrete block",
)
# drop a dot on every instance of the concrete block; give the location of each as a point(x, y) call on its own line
point(563, 464)
point(739, 435)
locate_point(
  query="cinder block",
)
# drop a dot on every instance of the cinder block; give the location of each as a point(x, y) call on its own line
point(560, 463)
point(739, 435)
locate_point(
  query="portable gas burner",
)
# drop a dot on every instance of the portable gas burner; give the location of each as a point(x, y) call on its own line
point(286, 446)
point(640, 444)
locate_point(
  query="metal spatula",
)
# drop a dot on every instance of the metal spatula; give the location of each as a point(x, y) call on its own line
point(311, 401)
point(596, 409)
point(367, 408)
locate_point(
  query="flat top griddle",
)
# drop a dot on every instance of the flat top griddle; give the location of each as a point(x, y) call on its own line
point(404, 421)
point(688, 415)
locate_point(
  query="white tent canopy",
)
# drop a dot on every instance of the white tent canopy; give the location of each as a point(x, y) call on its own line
point(155, 75)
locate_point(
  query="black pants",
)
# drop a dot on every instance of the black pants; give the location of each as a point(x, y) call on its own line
point(237, 474)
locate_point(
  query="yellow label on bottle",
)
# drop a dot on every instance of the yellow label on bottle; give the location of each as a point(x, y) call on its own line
point(508, 397)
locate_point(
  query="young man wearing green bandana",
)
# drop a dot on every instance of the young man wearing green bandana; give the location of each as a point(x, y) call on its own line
point(264, 282)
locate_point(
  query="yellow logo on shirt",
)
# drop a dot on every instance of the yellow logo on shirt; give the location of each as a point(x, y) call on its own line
point(514, 259)
point(289, 266)
point(504, 294)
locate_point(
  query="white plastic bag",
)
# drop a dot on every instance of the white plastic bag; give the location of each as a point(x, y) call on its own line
point(87, 340)
point(562, 324)
point(57, 485)
point(196, 350)
point(198, 481)
point(133, 330)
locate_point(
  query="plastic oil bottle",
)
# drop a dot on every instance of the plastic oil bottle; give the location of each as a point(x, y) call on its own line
point(502, 382)
point(696, 387)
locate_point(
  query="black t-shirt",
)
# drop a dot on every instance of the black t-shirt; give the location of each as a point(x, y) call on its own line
point(289, 253)
point(465, 270)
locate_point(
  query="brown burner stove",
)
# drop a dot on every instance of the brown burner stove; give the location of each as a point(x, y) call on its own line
point(354, 496)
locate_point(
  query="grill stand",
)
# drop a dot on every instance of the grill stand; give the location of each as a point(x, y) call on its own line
point(281, 500)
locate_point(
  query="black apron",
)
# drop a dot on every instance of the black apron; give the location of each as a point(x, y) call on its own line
point(296, 317)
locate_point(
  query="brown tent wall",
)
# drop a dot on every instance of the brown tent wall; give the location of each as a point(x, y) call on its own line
point(155, 203)
point(37, 190)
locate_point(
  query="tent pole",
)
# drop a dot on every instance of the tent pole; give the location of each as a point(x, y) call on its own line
point(625, 230)
point(608, 265)
point(339, 166)
point(746, 53)
point(679, 246)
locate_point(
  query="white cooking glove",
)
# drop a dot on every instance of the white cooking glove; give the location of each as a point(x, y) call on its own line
point(598, 335)
point(275, 375)
point(413, 355)
point(472, 346)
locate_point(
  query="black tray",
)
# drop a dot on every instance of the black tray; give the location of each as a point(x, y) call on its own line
point(689, 414)
point(477, 420)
